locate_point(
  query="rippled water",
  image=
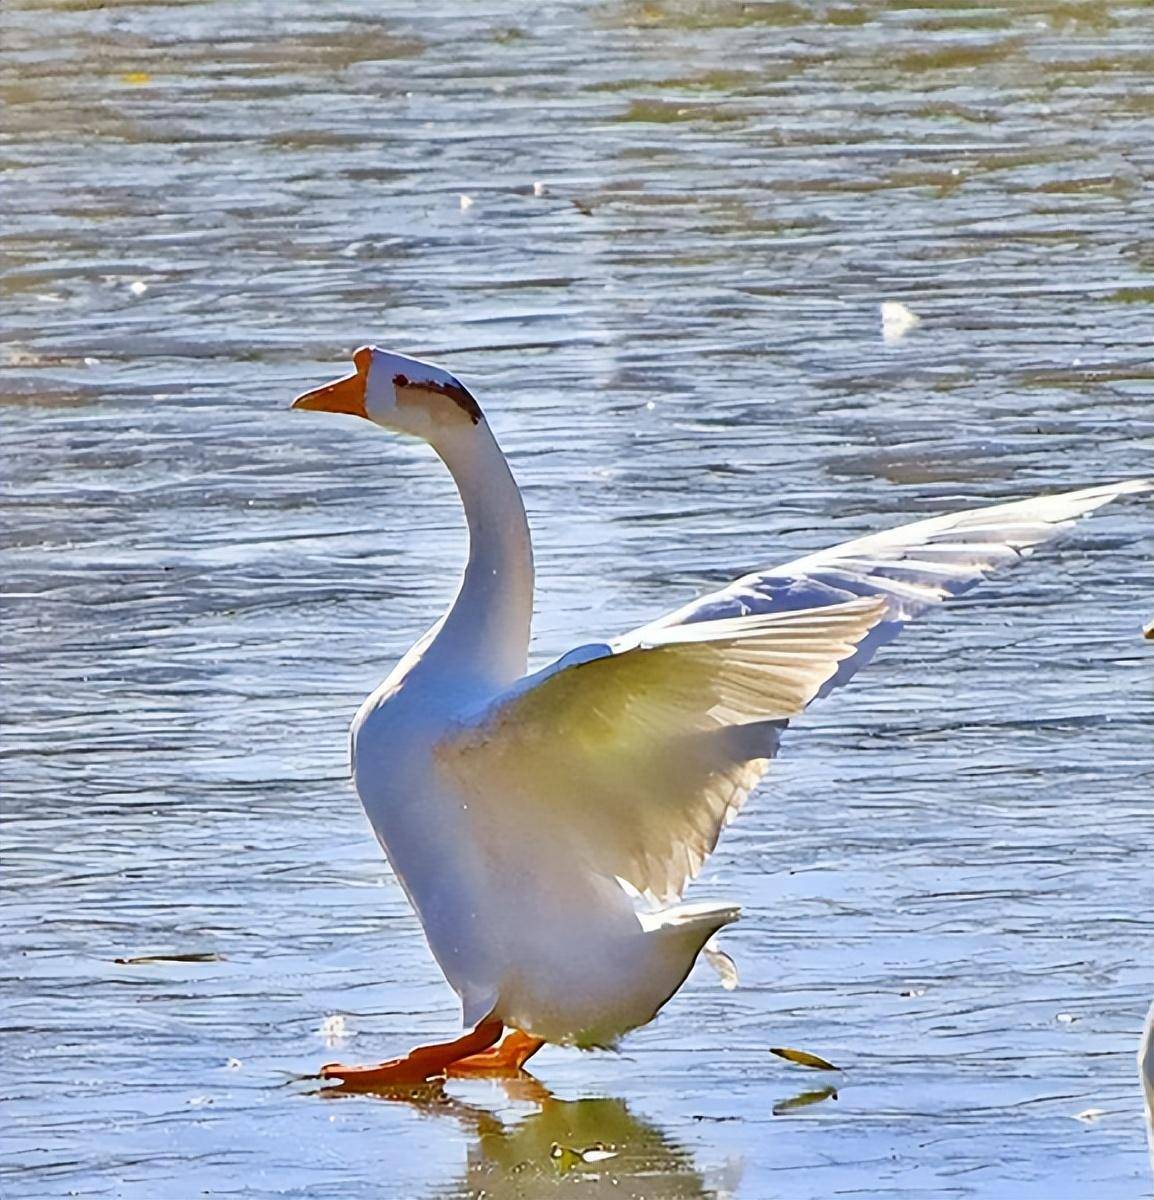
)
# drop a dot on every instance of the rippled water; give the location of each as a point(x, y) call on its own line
point(946, 884)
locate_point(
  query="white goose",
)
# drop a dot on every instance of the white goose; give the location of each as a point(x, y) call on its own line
point(544, 826)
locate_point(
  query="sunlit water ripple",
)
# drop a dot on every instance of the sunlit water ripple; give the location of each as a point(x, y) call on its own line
point(207, 205)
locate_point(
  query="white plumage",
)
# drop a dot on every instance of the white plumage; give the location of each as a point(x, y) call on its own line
point(544, 826)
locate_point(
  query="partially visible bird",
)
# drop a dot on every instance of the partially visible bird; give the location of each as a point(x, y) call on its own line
point(1146, 1075)
point(544, 826)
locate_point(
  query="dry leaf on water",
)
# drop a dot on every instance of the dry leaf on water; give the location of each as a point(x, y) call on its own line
point(163, 958)
point(803, 1058)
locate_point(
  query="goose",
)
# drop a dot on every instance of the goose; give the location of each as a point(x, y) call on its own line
point(544, 826)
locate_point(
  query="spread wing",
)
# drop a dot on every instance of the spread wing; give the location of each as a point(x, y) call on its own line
point(635, 754)
point(912, 567)
point(638, 752)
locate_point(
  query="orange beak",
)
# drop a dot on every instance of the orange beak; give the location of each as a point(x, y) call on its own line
point(345, 395)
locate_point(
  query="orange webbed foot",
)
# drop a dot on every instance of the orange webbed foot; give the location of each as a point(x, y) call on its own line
point(418, 1066)
point(394, 1073)
point(504, 1060)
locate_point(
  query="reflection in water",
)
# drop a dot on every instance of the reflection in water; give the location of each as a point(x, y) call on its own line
point(540, 1155)
point(805, 1099)
point(518, 1159)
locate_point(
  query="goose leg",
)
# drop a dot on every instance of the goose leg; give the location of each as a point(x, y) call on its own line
point(419, 1065)
point(506, 1059)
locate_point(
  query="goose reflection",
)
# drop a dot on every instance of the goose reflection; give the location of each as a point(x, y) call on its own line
point(588, 1149)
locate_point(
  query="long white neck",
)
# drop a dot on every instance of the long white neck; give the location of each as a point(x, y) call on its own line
point(486, 632)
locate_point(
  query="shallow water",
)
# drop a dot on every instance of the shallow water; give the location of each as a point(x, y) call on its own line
point(945, 881)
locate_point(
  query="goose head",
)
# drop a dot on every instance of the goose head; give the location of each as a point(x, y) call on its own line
point(401, 394)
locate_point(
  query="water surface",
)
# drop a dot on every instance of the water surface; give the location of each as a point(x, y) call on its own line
point(945, 880)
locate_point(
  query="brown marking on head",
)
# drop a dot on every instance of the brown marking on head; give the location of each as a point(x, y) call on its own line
point(455, 391)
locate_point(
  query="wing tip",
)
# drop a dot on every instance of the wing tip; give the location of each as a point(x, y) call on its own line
point(1092, 498)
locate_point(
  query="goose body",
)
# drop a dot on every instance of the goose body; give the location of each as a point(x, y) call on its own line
point(544, 826)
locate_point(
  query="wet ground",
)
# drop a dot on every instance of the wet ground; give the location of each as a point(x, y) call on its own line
point(677, 337)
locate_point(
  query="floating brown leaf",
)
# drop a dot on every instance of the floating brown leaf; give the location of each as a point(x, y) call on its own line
point(159, 958)
point(803, 1058)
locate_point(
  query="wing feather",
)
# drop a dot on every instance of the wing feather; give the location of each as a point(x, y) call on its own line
point(912, 568)
point(635, 758)
point(637, 752)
